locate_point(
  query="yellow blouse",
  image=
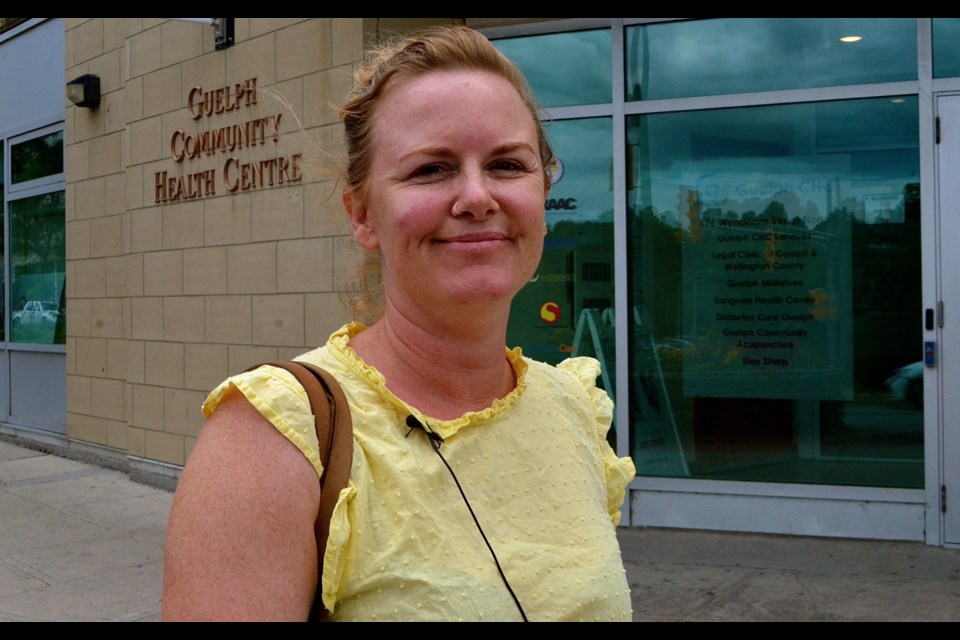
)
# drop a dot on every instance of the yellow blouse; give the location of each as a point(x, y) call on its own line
point(535, 466)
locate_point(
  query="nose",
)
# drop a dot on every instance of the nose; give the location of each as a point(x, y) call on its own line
point(475, 197)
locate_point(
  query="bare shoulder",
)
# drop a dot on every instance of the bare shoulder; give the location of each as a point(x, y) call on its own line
point(240, 541)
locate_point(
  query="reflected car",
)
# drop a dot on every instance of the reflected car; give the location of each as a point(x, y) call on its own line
point(36, 312)
point(906, 383)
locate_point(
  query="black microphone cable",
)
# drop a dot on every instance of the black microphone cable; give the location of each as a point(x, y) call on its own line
point(436, 441)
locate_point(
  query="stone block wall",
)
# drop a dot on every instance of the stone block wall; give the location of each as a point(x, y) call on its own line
point(182, 271)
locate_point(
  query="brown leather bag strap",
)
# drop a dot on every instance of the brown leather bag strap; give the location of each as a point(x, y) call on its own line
point(335, 433)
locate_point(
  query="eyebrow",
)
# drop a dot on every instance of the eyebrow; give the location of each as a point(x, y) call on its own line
point(444, 151)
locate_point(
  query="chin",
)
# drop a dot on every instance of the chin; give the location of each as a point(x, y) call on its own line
point(483, 293)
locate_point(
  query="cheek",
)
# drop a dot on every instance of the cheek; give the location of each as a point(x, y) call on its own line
point(402, 224)
point(418, 216)
point(531, 203)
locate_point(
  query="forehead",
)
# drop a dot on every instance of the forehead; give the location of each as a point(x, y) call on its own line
point(454, 105)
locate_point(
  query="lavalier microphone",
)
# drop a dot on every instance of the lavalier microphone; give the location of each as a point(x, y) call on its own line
point(436, 440)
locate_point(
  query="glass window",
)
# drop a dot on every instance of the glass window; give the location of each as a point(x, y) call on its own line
point(36, 158)
point(37, 269)
point(946, 47)
point(564, 68)
point(740, 55)
point(775, 292)
point(567, 307)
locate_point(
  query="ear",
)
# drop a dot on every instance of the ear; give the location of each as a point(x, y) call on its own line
point(360, 223)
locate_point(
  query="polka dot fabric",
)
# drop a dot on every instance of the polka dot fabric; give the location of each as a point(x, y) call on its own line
point(535, 466)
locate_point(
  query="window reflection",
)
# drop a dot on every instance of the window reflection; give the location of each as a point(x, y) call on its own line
point(564, 68)
point(776, 254)
point(740, 55)
point(567, 308)
point(37, 269)
point(37, 158)
point(946, 47)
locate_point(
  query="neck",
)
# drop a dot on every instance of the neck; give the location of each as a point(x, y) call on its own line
point(441, 370)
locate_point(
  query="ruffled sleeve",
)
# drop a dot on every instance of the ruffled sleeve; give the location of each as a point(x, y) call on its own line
point(618, 472)
point(280, 399)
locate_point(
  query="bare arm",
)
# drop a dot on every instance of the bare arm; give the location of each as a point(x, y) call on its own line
point(240, 542)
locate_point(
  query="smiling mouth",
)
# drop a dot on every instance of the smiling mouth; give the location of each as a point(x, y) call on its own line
point(475, 238)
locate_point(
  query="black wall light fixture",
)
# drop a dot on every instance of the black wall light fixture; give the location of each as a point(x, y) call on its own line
point(84, 91)
point(223, 33)
point(222, 30)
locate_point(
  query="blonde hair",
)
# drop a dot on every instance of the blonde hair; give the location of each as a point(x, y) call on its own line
point(436, 49)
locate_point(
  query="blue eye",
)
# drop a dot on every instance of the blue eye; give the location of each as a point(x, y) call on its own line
point(429, 171)
point(508, 165)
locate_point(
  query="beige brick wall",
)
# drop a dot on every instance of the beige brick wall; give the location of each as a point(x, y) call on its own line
point(166, 299)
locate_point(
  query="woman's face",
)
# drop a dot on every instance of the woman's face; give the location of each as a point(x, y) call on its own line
point(455, 198)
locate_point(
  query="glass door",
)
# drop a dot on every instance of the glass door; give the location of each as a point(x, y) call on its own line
point(777, 293)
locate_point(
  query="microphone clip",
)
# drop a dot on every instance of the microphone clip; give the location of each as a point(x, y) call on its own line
point(435, 438)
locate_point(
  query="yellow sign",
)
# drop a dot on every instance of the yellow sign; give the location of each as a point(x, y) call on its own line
point(550, 312)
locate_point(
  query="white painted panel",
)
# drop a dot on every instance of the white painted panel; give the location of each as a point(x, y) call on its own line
point(38, 390)
point(797, 515)
point(948, 205)
point(4, 380)
point(31, 66)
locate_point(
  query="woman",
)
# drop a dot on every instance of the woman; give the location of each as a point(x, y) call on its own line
point(447, 176)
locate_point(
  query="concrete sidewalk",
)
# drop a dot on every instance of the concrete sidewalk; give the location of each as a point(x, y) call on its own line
point(79, 542)
point(706, 576)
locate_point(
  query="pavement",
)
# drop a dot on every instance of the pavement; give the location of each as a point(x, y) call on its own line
point(79, 542)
